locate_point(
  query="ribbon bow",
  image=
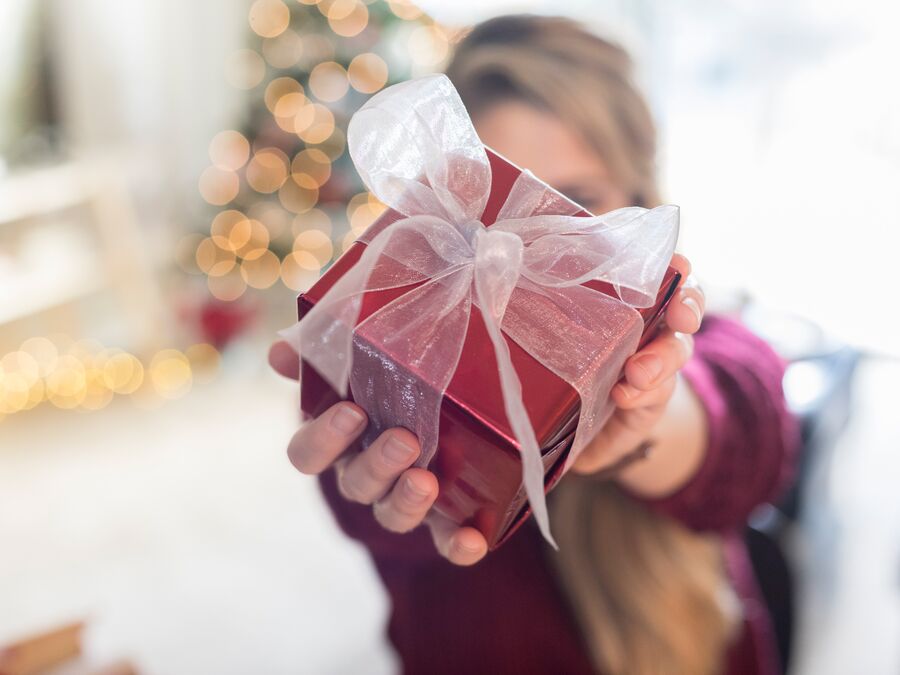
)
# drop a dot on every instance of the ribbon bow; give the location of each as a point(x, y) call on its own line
point(415, 148)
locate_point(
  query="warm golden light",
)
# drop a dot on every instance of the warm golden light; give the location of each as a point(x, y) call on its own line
point(311, 168)
point(269, 18)
point(284, 51)
point(214, 260)
point(328, 81)
point(279, 87)
point(318, 244)
point(405, 9)
point(298, 272)
point(123, 373)
point(334, 145)
point(314, 219)
point(297, 199)
point(170, 373)
point(229, 150)
point(245, 69)
point(227, 288)
point(314, 123)
point(348, 17)
point(261, 272)
point(44, 352)
point(275, 219)
point(268, 170)
point(257, 241)
point(218, 186)
point(229, 230)
point(368, 73)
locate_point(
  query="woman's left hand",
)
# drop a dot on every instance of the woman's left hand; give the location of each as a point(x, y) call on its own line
point(651, 374)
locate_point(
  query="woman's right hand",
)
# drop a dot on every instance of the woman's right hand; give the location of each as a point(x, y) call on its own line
point(382, 475)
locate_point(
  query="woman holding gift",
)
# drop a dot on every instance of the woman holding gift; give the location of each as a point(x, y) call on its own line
point(651, 576)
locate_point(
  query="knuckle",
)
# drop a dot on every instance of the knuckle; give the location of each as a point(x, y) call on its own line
point(388, 517)
point(350, 488)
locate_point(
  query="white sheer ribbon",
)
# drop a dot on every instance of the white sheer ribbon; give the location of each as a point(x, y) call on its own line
point(415, 148)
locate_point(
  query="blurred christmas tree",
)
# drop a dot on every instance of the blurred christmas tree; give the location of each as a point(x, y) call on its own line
point(290, 200)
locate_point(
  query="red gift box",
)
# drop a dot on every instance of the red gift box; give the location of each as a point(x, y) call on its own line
point(478, 462)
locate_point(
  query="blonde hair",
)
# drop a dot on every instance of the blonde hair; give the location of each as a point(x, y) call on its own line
point(650, 595)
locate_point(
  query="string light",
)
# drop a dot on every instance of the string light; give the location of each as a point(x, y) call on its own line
point(311, 168)
point(278, 88)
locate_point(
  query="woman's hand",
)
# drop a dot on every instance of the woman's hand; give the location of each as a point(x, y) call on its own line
point(382, 475)
point(651, 378)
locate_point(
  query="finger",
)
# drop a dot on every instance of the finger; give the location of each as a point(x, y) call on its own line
point(460, 545)
point(284, 360)
point(407, 504)
point(627, 397)
point(367, 477)
point(682, 264)
point(321, 441)
point(685, 313)
point(660, 359)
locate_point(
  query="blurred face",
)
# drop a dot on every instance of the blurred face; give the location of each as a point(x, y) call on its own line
point(539, 141)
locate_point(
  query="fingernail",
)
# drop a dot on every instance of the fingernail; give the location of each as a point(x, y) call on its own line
point(415, 493)
point(397, 452)
point(346, 420)
point(651, 364)
point(694, 306)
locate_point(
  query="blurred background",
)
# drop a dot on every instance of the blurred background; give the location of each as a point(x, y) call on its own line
point(173, 173)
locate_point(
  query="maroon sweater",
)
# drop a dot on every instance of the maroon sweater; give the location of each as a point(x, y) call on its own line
point(508, 613)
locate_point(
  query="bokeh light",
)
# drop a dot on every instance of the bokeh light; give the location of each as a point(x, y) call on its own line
point(298, 271)
point(284, 51)
point(267, 170)
point(229, 150)
point(314, 123)
point(170, 373)
point(297, 199)
point(279, 87)
point(314, 219)
point(262, 271)
point(316, 243)
point(328, 81)
point(245, 69)
point(347, 17)
point(214, 260)
point(311, 168)
point(405, 9)
point(228, 287)
point(269, 18)
point(218, 186)
point(367, 73)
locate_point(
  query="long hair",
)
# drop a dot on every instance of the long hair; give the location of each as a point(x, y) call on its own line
point(650, 595)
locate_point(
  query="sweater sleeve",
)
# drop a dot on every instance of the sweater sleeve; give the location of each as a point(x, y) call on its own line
point(752, 438)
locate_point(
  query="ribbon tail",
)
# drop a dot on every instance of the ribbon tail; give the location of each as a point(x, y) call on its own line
point(532, 465)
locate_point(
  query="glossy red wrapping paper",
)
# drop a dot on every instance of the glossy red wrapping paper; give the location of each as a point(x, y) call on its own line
point(477, 463)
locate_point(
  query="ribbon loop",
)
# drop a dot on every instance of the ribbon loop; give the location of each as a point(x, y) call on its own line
point(415, 148)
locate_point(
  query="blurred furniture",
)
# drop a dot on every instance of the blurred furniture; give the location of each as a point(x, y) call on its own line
point(68, 233)
point(55, 652)
point(818, 388)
